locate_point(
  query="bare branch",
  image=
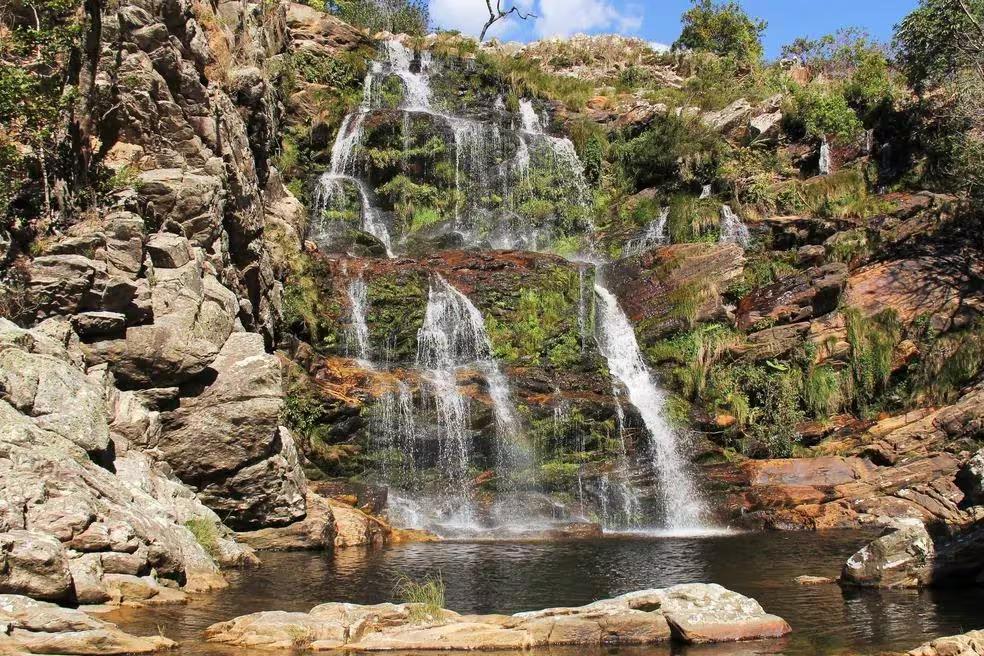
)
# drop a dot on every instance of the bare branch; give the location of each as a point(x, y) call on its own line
point(499, 13)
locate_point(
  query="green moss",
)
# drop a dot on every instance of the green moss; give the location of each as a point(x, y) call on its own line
point(559, 476)
point(397, 302)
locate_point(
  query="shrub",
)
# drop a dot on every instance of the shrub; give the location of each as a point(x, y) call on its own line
point(872, 341)
point(821, 111)
point(426, 599)
point(673, 151)
point(206, 533)
point(821, 392)
point(398, 16)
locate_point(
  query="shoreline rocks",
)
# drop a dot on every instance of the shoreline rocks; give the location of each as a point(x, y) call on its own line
point(693, 613)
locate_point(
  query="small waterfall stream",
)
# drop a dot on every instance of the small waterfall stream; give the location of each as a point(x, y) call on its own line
point(683, 508)
point(733, 229)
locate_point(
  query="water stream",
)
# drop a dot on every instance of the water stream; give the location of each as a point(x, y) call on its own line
point(684, 511)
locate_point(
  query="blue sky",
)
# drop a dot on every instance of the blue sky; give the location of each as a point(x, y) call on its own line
point(659, 20)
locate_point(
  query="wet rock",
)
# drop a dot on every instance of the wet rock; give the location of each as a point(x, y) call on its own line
point(652, 287)
point(42, 628)
point(900, 558)
point(34, 564)
point(814, 580)
point(228, 442)
point(795, 298)
point(967, 644)
point(696, 613)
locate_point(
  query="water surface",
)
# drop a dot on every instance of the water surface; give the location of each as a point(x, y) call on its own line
point(513, 577)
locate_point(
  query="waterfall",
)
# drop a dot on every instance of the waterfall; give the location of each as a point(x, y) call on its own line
point(451, 339)
point(416, 86)
point(681, 501)
point(826, 165)
point(330, 189)
point(359, 329)
point(733, 229)
point(393, 431)
point(654, 235)
point(705, 192)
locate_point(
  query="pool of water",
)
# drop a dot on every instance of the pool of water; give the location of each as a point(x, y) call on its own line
point(511, 577)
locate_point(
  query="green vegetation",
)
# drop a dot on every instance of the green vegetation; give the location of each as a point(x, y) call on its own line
point(722, 28)
point(426, 598)
point(206, 533)
point(397, 16)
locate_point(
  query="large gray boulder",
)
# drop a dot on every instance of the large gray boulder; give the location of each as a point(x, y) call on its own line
point(34, 564)
point(901, 558)
point(229, 444)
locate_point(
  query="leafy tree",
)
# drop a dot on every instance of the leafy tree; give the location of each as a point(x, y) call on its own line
point(722, 28)
point(819, 111)
point(939, 40)
point(940, 48)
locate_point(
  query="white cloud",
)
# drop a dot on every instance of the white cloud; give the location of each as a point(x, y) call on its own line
point(659, 47)
point(468, 16)
point(567, 17)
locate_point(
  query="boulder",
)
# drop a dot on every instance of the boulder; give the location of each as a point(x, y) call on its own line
point(966, 644)
point(228, 442)
point(43, 628)
point(99, 324)
point(795, 298)
point(34, 564)
point(901, 558)
point(729, 118)
point(707, 613)
point(57, 396)
point(316, 532)
point(694, 613)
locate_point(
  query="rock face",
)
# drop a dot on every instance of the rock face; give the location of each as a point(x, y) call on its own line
point(901, 558)
point(70, 524)
point(694, 613)
point(37, 627)
point(228, 442)
point(970, 480)
point(666, 288)
point(797, 298)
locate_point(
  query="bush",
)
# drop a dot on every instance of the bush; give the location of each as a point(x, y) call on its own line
point(722, 28)
point(672, 152)
point(426, 598)
point(206, 533)
point(820, 111)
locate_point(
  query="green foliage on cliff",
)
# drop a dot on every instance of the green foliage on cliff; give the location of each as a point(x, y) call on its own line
point(397, 16)
point(673, 151)
point(397, 302)
point(206, 533)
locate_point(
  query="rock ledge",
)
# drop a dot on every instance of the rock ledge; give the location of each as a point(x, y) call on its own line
point(693, 613)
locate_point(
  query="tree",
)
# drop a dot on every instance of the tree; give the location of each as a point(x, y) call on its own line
point(722, 28)
point(940, 40)
point(940, 48)
point(498, 13)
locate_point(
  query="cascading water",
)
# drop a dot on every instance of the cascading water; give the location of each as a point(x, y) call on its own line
point(654, 235)
point(683, 507)
point(733, 229)
point(359, 328)
point(826, 164)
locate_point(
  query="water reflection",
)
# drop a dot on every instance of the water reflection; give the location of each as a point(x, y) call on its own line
point(512, 577)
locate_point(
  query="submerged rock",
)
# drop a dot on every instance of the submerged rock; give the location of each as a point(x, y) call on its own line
point(694, 613)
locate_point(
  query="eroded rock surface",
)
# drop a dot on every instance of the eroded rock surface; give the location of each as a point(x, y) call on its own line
point(693, 613)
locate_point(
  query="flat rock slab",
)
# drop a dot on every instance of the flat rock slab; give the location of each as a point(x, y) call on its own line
point(38, 627)
point(694, 613)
